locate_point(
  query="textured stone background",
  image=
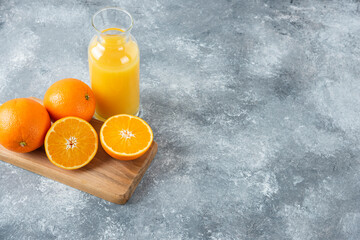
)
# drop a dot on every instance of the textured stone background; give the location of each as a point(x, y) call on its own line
point(255, 106)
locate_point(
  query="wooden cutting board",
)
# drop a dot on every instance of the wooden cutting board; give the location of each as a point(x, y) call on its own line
point(104, 177)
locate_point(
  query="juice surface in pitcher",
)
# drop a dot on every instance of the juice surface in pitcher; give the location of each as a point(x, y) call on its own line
point(114, 74)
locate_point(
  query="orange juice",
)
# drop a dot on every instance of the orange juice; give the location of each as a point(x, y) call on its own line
point(114, 73)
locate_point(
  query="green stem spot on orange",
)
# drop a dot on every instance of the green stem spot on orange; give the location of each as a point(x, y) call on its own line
point(87, 96)
point(23, 144)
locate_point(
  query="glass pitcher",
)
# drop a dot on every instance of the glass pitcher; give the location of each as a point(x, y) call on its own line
point(114, 64)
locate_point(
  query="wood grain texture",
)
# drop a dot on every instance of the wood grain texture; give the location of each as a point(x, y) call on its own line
point(104, 177)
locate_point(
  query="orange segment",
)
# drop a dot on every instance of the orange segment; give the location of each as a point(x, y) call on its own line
point(71, 143)
point(126, 137)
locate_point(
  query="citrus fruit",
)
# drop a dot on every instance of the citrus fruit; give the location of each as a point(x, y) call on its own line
point(71, 143)
point(70, 97)
point(125, 137)
point(23, 125)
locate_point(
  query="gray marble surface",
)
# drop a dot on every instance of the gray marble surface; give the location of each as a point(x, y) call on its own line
point(255, 106)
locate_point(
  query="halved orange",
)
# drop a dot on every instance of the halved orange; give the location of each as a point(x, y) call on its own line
point(71, 143)
point(126, 137)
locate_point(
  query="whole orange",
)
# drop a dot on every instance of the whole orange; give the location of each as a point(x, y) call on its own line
point(70, 97)
point(23, 125)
